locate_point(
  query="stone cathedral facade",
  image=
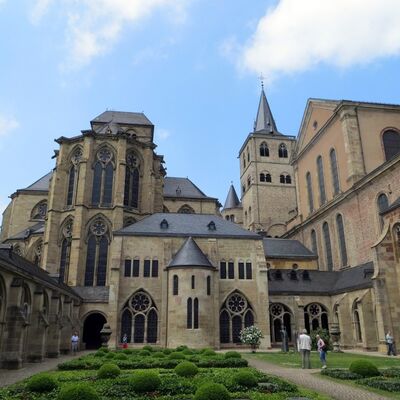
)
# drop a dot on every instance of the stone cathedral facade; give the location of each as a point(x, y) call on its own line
point(108, 237)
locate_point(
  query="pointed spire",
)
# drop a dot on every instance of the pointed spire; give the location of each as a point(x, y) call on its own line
point(232, 200)
point(264, 121)
point(190, 255)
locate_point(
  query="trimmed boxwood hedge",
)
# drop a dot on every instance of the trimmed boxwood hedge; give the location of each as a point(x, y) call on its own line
point(245, 378)
point(340, 373)
point(145, 381)
point(108, 371)
point(212, 391)
point(390, 385)
point(364, 368)
point(232, 354)
point(186, 369)
point(79, 391)
point(41, 383)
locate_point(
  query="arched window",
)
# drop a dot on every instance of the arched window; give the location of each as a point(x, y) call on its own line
point(264, 150)
point(282, 152)
point(175, 285)
point(328, 248)
point(268, 178)
point(233, 318)
point(208, 285)
point(342, 239)
point(321, 181)
point(139, 319)
point(282, 179)
point(132, 178)
point(73, 174)
point(189, 313)
point(39, 211)
point(357, 323)
point(65, 251)
point(280, 317)
point(288, 179)
point(262, 177)
point(196, 313)
point(193, 282)
point(26, 302)
point(244, 161)
point(248, 181)
point(186, 209)
point(334, 170)
point(97, 254)
point(103, 176)
point(310, 192)
point(391, 144)
point(314, 245)
point(315, 316)
point(383, 204)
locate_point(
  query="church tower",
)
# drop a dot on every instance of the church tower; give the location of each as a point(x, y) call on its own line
point(266, 176)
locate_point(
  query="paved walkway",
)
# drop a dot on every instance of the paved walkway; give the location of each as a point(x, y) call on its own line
point(310, 380)
point(8, 377)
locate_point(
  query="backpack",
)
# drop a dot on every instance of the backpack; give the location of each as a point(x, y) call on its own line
point(324, 347)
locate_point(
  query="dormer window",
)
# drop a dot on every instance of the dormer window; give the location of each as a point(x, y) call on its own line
point(293, 275)
point(306, 276)
point(211, 226)
point(164, 224)
point(278, 275)
point(178, 191)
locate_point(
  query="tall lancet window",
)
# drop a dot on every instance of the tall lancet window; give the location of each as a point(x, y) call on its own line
point(131, 194)
point(97, 254)
point(65, 251)
point(73, 174)
point(103, 176)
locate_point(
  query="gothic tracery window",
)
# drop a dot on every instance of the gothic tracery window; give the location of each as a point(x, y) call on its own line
point(280, 317)
point(186, 209)
point(132, 180)
point(264, 150)
point(391, 144)
point(139, 319)
point(39, 211)
point(73, 175)
point(103, 176)
point(315, 316)
point(282, 152)
point(97, 254)
point(236, 314)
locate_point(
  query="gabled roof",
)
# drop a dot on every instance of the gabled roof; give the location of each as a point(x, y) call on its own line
point(185, 225)
point(190, 255)
point(232, 200)
point(41, 184)
point(321, 282)
point(38, 228)
point(286, 248)
point(182, 187)
point(122, 117)
point(265, 122)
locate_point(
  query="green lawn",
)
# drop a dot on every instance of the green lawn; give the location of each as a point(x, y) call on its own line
point(334, 360)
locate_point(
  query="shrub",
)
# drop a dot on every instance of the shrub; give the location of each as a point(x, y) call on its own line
point(110, 356)
point(245, 378)
point(108, 371)
point(252, 336)
point(99, 354)
point(144, 353)
point(391, 372)
point(340, 373)
point(212, 391)
point(104, 349)
point(364, 368)
point(148, 348)
point(187, 352)
point(121, 356)
point(181, 348)
point(79, 391)
point(186, 369)
point(390, 385)
point(127, 351)
point(176, 356)
point(167, 351)
point(41, 383)
point(145, 381)
point(159, 354)
point(232, 354)
point(209, 352)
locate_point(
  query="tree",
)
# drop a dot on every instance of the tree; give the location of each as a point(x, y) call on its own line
point(252, 336)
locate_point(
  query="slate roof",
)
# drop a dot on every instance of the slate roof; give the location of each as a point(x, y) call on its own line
point(41, 184)
point(182, 187)
point(14, 262)
point(122, 117)
point(321, 282)
point(232, 200)
point(190, 255)
point(392, 207)
point(34, 229)
point(286, 248)
point(265, 122)
point(93, 294)
point(185, 225)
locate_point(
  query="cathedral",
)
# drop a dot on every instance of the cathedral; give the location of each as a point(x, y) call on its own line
point(107, 237)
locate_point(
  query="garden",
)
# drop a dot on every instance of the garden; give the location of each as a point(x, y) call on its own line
point(153, 373)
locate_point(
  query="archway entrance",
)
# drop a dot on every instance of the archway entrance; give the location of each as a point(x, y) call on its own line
point(91, 330)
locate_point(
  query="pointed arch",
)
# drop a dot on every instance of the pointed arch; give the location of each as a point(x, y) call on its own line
point(132, 179)
point(186, 209)
point(382, 204)
point(316, 316)
point(264, 150)
point(39, 212)
point(283, 152)
point(75, 158)
point(280, 316)
point(334, 172)
point(391, 143)
point(328, 246)
point(103, 176)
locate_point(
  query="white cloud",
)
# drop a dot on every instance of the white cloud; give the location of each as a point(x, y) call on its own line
point(93, 27)
point(7, 124)
point(39, 10)
point(297, 35)
point(162, 134)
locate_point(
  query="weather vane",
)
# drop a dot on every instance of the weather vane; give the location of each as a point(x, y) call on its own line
point(261, 78)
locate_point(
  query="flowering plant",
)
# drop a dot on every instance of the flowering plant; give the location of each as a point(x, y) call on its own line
point(251, 335)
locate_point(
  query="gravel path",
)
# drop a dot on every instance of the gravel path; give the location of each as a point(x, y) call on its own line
point(308, 379)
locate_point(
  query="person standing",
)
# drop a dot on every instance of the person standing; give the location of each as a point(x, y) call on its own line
point(305, 349)
point(124, 341)
point(321, 346)
point(75, 342)
point(390, 344)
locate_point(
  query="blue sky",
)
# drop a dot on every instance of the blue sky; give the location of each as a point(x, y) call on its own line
point(191, 66)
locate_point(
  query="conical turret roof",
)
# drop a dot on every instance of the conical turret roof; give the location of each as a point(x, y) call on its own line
point(232, 199)
point(190, 255)
point(265, 122)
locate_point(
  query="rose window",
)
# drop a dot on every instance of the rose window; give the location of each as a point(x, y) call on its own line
point(237, 303)
point(98, 228)
point(104, 155)
point(77, 156)
point(140, 302)
point(314, 309)
point(276, 309)
point(131, 160)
